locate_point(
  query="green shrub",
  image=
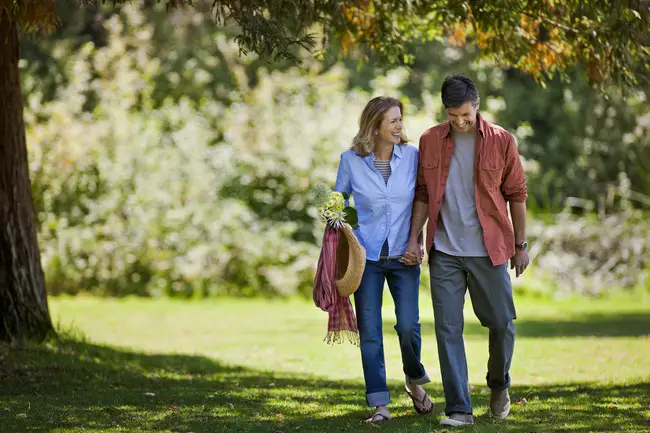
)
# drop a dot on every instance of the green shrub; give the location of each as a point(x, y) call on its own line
point(188, 173)
point(189, 198)
point(593, 254)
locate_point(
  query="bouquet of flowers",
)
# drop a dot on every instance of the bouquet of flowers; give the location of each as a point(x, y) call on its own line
point(332, 209)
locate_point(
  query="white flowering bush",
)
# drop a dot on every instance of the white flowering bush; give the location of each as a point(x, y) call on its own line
point(594, 254)
point(127, 194)
point(189, 197)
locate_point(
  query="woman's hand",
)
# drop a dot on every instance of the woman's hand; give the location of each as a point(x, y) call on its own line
point(414, 253)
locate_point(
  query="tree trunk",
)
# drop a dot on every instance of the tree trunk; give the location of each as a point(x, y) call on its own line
point(24, 313)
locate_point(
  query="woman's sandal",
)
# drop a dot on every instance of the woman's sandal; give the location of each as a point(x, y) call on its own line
point(418, 405)
point(379, 417)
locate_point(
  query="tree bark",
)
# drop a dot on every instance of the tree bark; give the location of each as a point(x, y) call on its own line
point(24, 313)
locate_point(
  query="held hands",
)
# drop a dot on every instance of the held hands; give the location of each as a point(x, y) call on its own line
point(414, 253)
point(519, 262)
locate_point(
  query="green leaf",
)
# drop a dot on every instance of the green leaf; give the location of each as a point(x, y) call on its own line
point(351, 216)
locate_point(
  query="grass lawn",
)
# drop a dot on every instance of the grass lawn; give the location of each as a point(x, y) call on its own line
point(261, 366)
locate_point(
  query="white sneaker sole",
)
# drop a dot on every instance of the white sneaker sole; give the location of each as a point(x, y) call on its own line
point(454, 423)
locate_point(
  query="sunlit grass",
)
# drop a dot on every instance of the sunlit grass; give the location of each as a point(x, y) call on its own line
point(261, 366)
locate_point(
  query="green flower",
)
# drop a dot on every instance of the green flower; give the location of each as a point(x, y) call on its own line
point(321, 194)
point(339, 201)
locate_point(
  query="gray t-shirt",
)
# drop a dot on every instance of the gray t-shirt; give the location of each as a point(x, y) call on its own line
point(458, 230)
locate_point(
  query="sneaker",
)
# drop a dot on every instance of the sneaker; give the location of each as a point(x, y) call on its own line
point(500, 403)
point(458, 419)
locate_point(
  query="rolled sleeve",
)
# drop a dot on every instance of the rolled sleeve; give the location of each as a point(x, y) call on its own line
point(513, 186)
point(421, 191)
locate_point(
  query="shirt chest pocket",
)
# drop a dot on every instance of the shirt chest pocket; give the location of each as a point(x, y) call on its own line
point(491, 171)
point(431, 161)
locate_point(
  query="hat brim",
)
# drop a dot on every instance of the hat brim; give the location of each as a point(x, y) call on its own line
point(350, 262)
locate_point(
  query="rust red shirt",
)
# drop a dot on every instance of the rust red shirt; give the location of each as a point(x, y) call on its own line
point(499, 178)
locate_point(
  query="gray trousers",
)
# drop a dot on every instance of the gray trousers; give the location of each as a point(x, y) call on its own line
point(491, 292)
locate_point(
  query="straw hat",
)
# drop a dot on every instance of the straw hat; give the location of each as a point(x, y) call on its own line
point(350, 262)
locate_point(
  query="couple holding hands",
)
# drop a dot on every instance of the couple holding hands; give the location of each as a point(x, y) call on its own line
point(460, 179)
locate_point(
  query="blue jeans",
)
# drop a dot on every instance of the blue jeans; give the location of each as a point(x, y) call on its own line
point(403, 282)
point(491, 292)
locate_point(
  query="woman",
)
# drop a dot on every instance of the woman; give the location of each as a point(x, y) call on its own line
point(379, 171)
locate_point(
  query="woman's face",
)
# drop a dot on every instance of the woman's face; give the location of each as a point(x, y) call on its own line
point(391, 126)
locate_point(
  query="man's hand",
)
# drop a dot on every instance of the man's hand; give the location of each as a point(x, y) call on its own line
point(519, 262)
point(413, 254)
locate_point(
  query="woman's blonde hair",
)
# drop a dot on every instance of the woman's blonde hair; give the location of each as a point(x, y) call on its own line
point(369, 122)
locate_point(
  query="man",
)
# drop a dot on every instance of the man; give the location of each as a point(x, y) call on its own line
point(468, 170)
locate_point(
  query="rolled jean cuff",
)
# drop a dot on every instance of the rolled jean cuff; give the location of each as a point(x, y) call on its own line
point(498, 386)
point(458, 408)
point(381, 398)
point(419, 381)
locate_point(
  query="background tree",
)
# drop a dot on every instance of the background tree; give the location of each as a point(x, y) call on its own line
point(540, 37)
point(23, 302)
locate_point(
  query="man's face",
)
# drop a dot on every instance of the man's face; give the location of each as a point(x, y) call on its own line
point(463, 118)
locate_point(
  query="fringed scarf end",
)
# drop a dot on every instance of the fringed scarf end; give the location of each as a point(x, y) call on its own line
point(339, 337)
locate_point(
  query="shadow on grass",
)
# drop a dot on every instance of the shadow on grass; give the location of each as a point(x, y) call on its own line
point(76, 385)
point(589, 325)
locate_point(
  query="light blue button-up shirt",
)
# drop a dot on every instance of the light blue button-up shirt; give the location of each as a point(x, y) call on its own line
point(384, 209)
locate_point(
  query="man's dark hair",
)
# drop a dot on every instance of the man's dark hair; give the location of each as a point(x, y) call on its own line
point(458, 89)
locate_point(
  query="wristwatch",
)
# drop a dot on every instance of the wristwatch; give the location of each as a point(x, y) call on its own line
point(523, 245)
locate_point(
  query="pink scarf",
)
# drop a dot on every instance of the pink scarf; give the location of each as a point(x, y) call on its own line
point(342, 321)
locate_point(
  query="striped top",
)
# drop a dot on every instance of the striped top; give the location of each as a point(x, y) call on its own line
point(384, 168)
